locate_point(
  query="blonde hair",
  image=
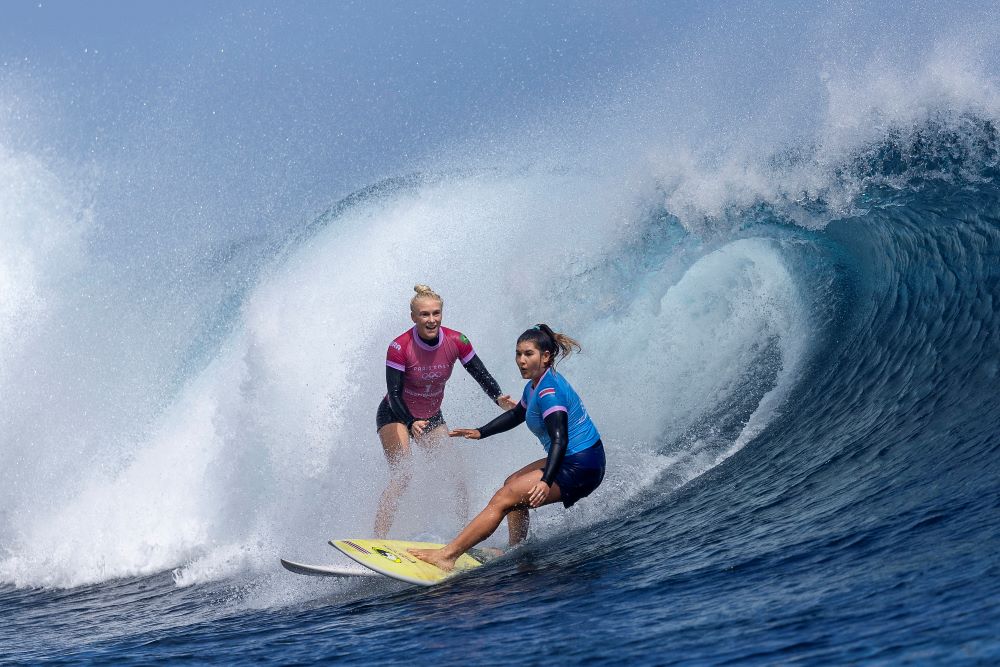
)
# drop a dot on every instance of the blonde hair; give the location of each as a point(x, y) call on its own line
point(424, 292)
point(542, 336)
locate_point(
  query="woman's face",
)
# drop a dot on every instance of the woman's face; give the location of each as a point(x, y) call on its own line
point(531, 361)
point(426, 314)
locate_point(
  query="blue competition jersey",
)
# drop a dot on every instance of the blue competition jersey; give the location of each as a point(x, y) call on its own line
point(555, 393)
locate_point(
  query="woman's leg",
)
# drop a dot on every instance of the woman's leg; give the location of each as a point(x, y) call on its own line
point(447, 455)
point(396, 445)
point(513, 495)
point(517, 518)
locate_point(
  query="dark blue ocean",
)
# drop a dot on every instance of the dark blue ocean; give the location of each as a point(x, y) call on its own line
point(789, 313)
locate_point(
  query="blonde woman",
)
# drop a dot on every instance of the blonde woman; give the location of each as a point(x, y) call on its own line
point(418, 364)
point(573, 467)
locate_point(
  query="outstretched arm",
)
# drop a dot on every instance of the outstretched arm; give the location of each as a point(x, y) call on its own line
point(503, 422)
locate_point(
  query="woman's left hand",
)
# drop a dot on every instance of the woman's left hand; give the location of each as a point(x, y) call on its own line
point(470, 433)
point(538, 494)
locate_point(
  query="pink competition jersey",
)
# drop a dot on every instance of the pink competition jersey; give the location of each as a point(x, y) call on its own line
point(427, 368)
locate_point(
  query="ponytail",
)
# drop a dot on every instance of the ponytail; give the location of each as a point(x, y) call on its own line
point(545, 339)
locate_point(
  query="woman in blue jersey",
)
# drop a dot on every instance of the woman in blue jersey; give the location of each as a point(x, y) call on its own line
point(573, 467)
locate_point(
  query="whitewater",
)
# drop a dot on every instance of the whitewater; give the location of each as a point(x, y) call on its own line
point(787, 289)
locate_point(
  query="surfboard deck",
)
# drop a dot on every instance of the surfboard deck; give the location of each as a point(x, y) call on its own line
point(342, 571)
point(390, 558)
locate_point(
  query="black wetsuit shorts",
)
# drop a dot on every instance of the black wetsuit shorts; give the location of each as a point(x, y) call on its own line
point(385, 415)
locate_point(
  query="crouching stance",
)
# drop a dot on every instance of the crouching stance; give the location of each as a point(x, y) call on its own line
point(573, 467)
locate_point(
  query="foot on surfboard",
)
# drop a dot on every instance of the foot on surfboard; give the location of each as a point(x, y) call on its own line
point(393, 559)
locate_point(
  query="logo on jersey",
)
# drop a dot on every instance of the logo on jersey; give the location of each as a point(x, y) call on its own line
point(464, 339)
point(548, 391)
point(432, 367)
point(396, 346)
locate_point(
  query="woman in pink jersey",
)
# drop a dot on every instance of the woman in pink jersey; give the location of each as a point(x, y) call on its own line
point(417, 366)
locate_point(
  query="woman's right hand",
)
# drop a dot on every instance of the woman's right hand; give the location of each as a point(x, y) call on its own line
point(505, 402)
point(417, 428)
point(469, 433)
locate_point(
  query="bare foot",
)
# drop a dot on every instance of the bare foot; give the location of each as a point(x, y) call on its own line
point(435, 557)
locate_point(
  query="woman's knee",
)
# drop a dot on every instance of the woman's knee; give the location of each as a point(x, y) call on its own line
point(506, 498)
point(513, 477)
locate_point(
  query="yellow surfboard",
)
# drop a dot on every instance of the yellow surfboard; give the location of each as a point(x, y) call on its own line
point(389, 557)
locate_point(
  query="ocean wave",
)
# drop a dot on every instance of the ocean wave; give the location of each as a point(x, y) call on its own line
point(712, 284)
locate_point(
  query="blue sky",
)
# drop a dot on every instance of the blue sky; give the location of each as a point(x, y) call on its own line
point(258, 107)
point(264, 106)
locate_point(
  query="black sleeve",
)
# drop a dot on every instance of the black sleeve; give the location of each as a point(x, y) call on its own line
point(504, 422)
point(479, 373)
point(557, 424)
point(394, 382)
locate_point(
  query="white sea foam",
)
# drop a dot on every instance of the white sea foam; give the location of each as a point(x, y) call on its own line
point(271, 449)
point(941, 91)
point(43, 223)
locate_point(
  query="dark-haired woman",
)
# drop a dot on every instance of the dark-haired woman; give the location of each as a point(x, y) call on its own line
point(574, 466)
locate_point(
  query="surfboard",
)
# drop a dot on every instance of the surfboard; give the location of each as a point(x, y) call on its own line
point(390, 557)
point(327, 570)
